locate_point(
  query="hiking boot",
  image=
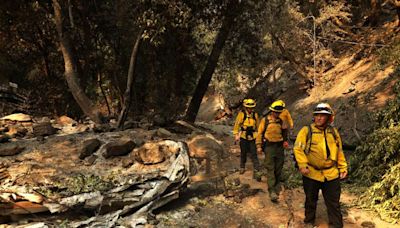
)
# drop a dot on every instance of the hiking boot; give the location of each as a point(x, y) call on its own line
point(274, 197)
point(257, 176)
point(241, 171)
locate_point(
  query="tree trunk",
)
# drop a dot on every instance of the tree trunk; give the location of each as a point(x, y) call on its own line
point(130, 81)
point(397, 5)
point(202, 85)
point(376, 9)
point(71, 73)
point(100, 83)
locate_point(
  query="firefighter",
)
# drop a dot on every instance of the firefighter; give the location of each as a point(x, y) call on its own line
point(321, 161)
point(272, 138)
point(245, 130)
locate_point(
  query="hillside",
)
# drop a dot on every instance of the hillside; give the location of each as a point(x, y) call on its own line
point(358, 85)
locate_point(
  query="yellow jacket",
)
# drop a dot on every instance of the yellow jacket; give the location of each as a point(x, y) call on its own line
point(275, 132)
point(321, 167)
point(287, 118)
point(241, 125)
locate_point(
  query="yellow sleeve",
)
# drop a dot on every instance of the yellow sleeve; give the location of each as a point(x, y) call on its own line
point(289, 119)
point(342, 164)
point(238, 122)
point(260, 131)
point(257, 120)
point(299, 147)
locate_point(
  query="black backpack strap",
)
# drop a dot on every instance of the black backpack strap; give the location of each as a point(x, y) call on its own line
point(244, 119)
point(245, 116)
point(328, 151)
point(308, 140)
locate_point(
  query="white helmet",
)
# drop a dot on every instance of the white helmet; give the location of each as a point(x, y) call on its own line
point(323, 108)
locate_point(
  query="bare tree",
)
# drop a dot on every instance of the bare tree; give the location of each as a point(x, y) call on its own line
point(130, 81)
point(70, 65)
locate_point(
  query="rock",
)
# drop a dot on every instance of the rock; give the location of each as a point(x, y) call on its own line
point(65, 120)
point(368, 224)
point(91, 159)
point(73, 129)
point(119, 148)
point(139, 142)
point(10, 149)
point(130, 124)
point(232, 182)
point(350, 219)
point(181, 127)
point(44, 129)
point(206, 147)
point(150, 154)
point(45, 119)
point(31, 197)
point(20, 117)
point(350, 89)
point(163, 133)
point(127, 162)
point(27, 124)
point(98, 128)
point(89, 147)
point(4, 138)
point(16, 131)
point(22, 207)
point(4, 174)
point(202, 146)
point(3, 129)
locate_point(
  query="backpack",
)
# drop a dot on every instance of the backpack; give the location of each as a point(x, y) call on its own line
point(330, 129)
point(249, 130)
point(264, 140)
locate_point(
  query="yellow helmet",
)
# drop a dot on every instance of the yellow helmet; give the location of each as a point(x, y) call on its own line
point(281, 103)
point(323, 108)
point(277, 106)
point(249, 103)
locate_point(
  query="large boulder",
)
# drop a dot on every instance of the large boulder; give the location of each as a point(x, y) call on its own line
point(43, 129)
point(163, 133)
point(4, 138)
point(16, 131)
point(10, 149)
point(151, 153)
point(89, 147)
point(65, 120)
point(205, 146)
point(20, 117)
point(118, 148)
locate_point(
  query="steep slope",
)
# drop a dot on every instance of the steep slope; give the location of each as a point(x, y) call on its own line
point(357, 86)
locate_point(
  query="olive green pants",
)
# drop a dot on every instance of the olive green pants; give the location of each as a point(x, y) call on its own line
point(274, 159)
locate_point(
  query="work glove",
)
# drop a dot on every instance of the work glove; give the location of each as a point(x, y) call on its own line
point(285, 144)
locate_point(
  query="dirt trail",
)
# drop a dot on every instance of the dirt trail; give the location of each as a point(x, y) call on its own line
point(204, 205)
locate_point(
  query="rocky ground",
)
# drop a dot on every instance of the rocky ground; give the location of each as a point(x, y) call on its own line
point(206, 205)
point(71, 174)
